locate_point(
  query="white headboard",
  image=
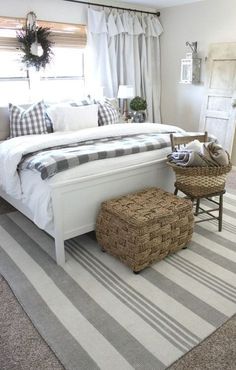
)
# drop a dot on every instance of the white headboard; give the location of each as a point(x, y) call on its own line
point(4, 123)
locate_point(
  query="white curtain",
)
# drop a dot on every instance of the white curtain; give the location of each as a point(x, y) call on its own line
point(124, 50)
point(98, 68)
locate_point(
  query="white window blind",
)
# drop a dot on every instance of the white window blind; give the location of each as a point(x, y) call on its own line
point(62, 34)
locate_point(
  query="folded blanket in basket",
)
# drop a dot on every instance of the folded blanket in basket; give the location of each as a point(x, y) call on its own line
point(214, 152)
point(211, 155)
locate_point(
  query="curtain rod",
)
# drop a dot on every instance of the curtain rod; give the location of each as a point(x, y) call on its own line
point(113, 7)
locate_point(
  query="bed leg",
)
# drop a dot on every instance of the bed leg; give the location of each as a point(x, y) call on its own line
point(57, 202)
point(60, 251)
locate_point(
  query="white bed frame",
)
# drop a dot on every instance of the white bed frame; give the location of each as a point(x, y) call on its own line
point(76, 202)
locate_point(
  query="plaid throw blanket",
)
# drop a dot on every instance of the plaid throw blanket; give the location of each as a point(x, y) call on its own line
point(51, 161)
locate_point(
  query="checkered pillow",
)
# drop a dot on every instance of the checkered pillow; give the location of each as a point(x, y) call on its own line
point(27, 122)
point(49, 124)
point(107, 114)
point(80, 103)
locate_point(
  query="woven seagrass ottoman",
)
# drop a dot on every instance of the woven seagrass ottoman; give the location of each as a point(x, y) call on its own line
point(144, 227)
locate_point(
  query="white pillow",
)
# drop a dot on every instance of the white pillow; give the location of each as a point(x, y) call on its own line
point(195, 145)
point(68, 118)
point(54, 114)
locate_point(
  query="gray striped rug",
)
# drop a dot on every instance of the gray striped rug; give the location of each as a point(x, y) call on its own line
point(95, 313)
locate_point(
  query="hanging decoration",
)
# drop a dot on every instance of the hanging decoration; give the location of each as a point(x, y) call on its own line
point(35, 43)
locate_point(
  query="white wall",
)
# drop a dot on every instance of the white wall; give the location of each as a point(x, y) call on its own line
point(206, 22)
point(54, 10)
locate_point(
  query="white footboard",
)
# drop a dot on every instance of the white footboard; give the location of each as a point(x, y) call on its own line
point(76, 203)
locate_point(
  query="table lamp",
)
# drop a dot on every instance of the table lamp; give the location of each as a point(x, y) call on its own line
point(125, 92)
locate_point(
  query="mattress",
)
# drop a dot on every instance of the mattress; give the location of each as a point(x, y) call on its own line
point(36, 193)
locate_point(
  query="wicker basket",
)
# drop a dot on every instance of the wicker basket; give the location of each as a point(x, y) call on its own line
point(144, 227)
point(200, 181)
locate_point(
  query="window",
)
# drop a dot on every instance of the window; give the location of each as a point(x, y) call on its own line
point(63, 79)
point(14, 85)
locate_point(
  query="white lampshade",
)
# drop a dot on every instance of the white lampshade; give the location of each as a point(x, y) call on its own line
point(125, 92)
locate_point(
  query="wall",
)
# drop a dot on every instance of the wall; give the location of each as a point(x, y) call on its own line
point(206, 22)
point(54, 10)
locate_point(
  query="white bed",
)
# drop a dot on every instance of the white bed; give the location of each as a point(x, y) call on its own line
point(66, 205)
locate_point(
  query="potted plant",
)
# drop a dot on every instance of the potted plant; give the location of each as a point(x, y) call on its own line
point(139, 106)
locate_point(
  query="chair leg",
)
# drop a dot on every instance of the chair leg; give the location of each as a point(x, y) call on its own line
point(197, 207)
point(176, 191)
point(220, 213)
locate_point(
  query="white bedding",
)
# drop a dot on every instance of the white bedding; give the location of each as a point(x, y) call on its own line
point(36, 193)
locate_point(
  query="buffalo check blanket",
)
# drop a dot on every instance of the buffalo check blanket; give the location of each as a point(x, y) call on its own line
point(51, 161)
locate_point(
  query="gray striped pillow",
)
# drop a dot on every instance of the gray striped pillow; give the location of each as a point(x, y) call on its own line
point(27, 122)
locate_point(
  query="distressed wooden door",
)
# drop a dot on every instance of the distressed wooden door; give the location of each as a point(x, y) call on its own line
point(218, 114)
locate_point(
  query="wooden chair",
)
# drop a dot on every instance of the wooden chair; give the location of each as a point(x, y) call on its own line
point(176, 142)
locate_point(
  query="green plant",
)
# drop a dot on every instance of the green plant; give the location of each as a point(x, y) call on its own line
point(138, 104)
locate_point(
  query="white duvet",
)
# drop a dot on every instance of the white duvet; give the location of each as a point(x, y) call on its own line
point(32, 190)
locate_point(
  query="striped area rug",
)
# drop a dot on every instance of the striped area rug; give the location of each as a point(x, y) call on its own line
point(95, 313)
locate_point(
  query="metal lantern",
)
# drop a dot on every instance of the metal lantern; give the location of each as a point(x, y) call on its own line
point(191, 66)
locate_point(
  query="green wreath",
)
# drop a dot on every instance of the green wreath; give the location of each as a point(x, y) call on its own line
point(39, 37)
